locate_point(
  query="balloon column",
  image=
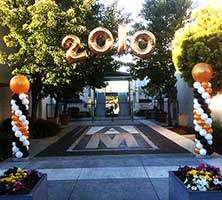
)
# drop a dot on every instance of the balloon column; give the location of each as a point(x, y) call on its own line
point(202, 74)
point(19, 105)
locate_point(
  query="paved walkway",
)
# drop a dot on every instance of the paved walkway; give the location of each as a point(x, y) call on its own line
point(111, 177)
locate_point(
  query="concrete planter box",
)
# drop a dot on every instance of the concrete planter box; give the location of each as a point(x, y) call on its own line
point(39, 192)
point(178, 191)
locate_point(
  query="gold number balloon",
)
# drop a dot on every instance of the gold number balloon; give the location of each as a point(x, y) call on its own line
point(148, 37)
point(72, 44)
point(122, 39)
point(103, 33)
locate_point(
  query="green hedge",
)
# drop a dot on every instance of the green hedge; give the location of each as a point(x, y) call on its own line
point(217, 134)
point(43, 128)
point(5, 145)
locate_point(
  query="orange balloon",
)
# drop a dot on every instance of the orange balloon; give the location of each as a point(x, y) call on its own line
point(204, 84)
point(148, 37)
point(197, 117)
point(194, 112)
point(106, 35)
point(201, 122)
point(202, 72)
point(210, 131)
point(206, 127)
point(209, 90)
point(196, 150)
point(19, 84)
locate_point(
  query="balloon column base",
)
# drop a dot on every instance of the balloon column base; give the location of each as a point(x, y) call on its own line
point(204, 157)
point(20, 159)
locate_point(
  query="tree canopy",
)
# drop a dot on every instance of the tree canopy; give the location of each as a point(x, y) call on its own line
point(162, 17)
point(36, 29)
point(200, 40)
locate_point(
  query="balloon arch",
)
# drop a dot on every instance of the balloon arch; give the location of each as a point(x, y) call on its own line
point(202, 74)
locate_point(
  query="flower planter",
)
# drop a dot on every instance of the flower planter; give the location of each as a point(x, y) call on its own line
point(39, 192)
point(178, 191)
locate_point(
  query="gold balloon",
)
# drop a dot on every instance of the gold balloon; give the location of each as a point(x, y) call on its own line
point(106, 35)
point(204, 84)
point(202, 72)
point(72, 44)
point(121, 39)
point(148, 37)
point(209, 90)
point(196, 150)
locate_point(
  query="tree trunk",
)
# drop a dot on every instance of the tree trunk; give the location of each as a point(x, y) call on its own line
point(35, 102)
point(169, 111)
point(56, 114)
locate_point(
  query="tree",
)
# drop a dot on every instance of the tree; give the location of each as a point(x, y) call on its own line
point(200, 40)
point(36, 29)
point(161, 17)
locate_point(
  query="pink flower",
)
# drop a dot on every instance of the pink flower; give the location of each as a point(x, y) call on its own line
point(18, 186)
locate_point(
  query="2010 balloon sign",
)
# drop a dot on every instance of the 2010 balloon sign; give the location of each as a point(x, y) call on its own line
point(71, 43)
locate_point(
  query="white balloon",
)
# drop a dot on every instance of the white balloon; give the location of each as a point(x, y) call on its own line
point(196, 106)
point(18, 113)
point(208, 137)
point(14, 107)
point(22, 138)
point(19, 154)
point(12, 101)
point(209, 121)
point(203, 152)
point(199, 145)
point(203, 132)
point(195, 122)
point(208, 101)
point(26, 122)
point(197, 128)
point(27, 107)
point(195, 101)
point(196, 140)
point(209, 84)
point(25, 101)
point(18, 134)
point(200, 90)
point(210, 142)
point(15, 149)
point(196, 84)
point(200, 111)
point(22, 96)
point(205, 95)
point(13, 123)
point(22, 118)
point(204, 116)
point(26, 143)
point(15, 128)
point(13, 144)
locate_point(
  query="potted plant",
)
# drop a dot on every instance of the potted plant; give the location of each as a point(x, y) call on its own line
point(19, 184)
point(201, 183)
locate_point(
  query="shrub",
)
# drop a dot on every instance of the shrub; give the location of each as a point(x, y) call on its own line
point(217, 127)
point(73, 111)
point(140, 113)
point(6, 140)
point(6, 126)
point(43, 128)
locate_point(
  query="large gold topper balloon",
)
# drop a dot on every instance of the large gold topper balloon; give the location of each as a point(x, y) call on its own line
point(148, 37)
point(122, 39)
point(103, 33)
point(19, 84)
point(202, 72)
point(72, 44)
